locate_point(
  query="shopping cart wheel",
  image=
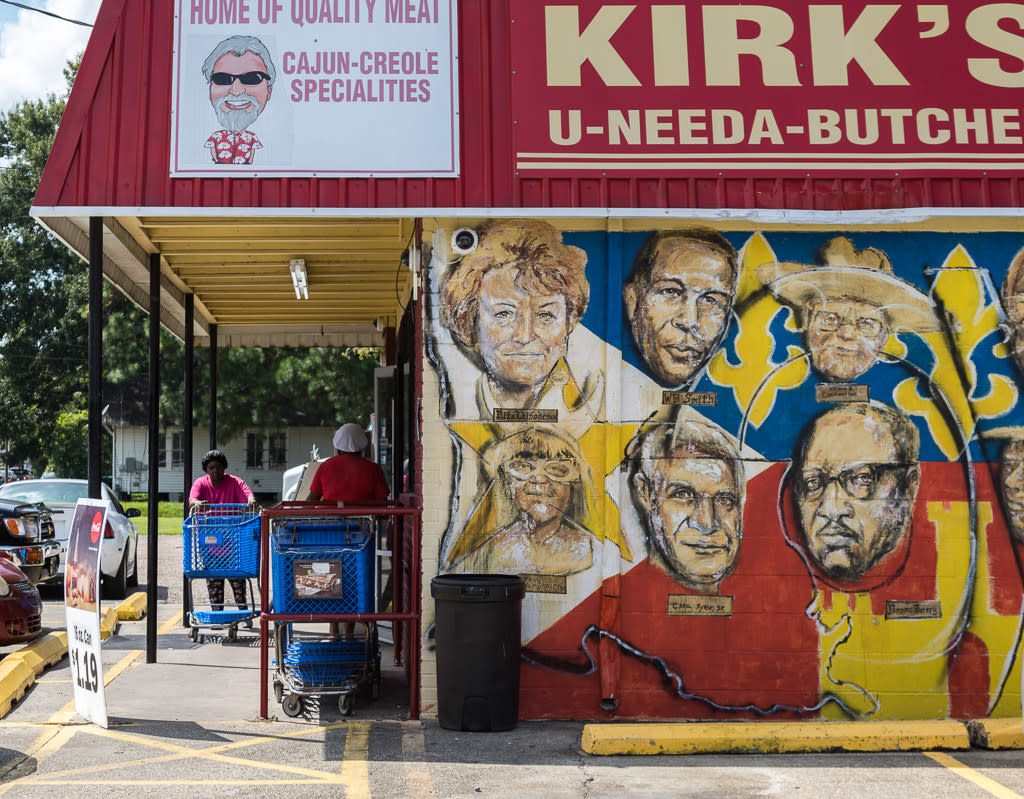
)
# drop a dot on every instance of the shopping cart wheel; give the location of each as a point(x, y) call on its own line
point(346, 702)
point(278, 692)
point(375, 687)
point(292, 705)
point(193, 633)
point(232, 632)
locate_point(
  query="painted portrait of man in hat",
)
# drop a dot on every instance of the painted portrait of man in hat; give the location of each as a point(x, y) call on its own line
point(848, 306)
point(1013, 304)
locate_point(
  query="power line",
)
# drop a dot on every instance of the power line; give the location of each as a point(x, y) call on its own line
point(48, 13)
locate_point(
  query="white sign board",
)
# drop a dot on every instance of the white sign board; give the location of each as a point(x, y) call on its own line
point(333, 88)
point(82, 609)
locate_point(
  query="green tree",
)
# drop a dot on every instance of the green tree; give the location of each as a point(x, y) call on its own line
point(266, 388)
point(43, 293)
point(44, 335)
point(70, 446)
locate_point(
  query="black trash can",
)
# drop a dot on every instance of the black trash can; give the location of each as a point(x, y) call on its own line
point(477, 627)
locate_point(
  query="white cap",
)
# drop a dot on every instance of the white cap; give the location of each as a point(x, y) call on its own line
point(350, 438)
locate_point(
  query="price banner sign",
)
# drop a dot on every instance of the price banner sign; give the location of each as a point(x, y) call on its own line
point(82, 608)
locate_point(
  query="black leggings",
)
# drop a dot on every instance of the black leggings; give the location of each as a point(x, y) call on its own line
point(215, 587)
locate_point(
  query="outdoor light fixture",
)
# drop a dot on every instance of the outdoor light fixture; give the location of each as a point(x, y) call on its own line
point(300, 280)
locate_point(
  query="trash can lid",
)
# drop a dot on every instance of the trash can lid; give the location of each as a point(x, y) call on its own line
point(478, 587)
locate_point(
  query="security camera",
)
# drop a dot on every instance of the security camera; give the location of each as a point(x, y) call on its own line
point(464, 241)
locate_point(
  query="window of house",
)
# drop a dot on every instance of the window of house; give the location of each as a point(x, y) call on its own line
point(161, 453)
point(254, 450)
point(177, 449)
point(277, 450)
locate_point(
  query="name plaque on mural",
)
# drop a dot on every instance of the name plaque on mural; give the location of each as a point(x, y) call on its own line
point(910, 609)
point(699, 605)
point(689, 398)
point(544, 583)
point(842, 392)
point(526, 414)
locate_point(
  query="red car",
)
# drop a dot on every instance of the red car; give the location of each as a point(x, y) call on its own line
point(20, 607)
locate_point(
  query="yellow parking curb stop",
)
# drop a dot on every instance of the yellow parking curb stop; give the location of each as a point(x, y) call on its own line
point(108, 623)
point(797, 736)
point(997, 733)
point(132, 608)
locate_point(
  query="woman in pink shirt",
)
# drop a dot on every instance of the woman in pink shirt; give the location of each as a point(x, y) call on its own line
point(217, 487)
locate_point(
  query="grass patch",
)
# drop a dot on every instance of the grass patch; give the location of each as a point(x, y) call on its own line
point(169, 517)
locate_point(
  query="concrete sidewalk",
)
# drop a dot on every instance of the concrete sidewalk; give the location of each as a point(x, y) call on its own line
point(214, 679)
point(187, 726)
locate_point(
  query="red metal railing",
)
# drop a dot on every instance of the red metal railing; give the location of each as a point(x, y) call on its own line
point(406, 579)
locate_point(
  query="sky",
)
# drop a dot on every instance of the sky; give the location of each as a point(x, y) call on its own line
point(34, 47)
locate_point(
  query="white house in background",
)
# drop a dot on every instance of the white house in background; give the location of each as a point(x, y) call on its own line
point(260, 457)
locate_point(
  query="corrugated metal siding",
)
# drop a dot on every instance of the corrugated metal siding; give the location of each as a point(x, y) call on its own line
point(113, 148)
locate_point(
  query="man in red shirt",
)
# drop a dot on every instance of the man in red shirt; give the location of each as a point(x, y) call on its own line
point(348, 477)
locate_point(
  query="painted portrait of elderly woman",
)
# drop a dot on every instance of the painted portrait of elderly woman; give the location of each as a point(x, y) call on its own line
point(510, 305)
point(533, 513)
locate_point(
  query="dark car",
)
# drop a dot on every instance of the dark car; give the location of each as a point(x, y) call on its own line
point(18, 473)
point(20, 608)
point(27, 536)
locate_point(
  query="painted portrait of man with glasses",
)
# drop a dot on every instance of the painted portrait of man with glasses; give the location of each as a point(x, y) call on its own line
point(849, 306)
point(854, 481)
point(240, 75)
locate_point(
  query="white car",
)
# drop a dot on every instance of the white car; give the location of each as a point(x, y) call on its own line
point(299, 477)
point(119, 552)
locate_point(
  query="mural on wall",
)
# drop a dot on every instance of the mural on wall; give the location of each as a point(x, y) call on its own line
point(743, 474)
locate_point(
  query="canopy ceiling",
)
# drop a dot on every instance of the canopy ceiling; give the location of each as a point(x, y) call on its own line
point(238, 270)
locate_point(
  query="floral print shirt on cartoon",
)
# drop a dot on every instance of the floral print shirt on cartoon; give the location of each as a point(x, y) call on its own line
point(232, 147)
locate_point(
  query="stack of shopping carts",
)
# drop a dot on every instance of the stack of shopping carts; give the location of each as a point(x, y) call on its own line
point(322, 568)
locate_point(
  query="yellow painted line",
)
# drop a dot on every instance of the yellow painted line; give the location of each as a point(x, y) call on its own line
point(44, 746)
point(56, 734)
point(174, 621)
point(121, 666)
point(280, 782)
point(414, 754)
point(182, 753)
point(355, 768)
point(969, 774)
point(55, 742)
point(797, 736)
point(132, 608)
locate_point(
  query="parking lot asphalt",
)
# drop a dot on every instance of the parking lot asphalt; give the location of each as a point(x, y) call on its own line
point(187, 726)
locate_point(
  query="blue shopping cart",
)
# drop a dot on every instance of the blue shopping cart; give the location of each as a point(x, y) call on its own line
point(222, 542)
point(323, 567)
